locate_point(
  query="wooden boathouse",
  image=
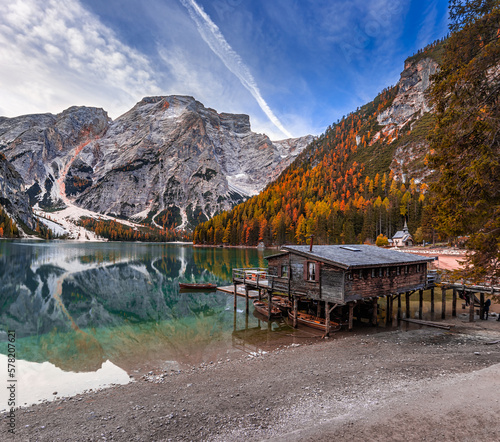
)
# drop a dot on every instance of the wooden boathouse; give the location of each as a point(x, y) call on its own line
point(337, 277)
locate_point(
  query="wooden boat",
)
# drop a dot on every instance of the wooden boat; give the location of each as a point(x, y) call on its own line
point(199, 286)
point(283, 303)
point(263, 309)
point(313, 321)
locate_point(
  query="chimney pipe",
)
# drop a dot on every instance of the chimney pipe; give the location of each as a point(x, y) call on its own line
point(311, 244)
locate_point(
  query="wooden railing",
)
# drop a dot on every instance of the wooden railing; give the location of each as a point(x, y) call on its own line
point(252, 273)
point(432, 277)
point(260, 278)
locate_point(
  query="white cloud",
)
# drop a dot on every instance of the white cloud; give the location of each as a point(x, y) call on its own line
point(56, 54)
point(216, 41)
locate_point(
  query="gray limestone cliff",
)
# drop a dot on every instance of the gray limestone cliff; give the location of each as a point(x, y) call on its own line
point(169, 160)
point(41, 146)
point(411, 100)
point(12, 194)
point(182, 161)
point(410, 116)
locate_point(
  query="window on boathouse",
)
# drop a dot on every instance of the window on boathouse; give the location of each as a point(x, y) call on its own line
point(284, 271)
point(311, 271)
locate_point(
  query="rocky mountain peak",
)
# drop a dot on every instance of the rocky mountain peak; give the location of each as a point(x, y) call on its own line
point(173, 106)
point(169, 160)
point(78, 122)
point(237, 123)
point(411, 100)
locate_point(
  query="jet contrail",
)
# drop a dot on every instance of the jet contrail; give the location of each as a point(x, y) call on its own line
point(210, 32)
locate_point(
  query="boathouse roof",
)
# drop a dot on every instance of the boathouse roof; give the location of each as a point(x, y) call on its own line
point(356, 255)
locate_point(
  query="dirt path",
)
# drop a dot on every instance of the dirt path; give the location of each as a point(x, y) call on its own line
point(422, 384)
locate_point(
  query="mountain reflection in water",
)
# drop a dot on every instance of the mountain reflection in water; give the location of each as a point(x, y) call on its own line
point(80, 304)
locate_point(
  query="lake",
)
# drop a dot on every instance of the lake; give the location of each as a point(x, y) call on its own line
point(92, 314)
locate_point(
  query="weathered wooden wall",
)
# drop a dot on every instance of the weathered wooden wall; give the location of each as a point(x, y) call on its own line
point(333, 284)
point(364, 285)
point(280, 283)
point(298, 284)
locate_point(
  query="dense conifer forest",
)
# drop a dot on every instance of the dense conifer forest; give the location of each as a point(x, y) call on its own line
point(340, 189)
point(116, 231)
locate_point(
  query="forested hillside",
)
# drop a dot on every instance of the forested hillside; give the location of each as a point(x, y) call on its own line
point(466, 139)
point(340, 189)
point(8, 228)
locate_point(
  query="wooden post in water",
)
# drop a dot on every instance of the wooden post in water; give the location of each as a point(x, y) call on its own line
point(454, 303)
point(327, 317)
point(443, 302)
point(407, 304)
point(235, 296)
point(295, 311)
point(246, 299)
point(400, 310)
point(420, 303)
point(351, 314)
point(432, 302)
point(375, 311)
point(481, 305)
point(472, 297)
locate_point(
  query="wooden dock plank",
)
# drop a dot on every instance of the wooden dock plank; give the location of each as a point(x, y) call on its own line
point(241, 291)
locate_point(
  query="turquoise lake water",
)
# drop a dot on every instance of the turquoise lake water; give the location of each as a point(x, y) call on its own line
point(115, 309)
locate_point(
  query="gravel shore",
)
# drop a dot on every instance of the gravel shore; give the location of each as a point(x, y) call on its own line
point(417, 384)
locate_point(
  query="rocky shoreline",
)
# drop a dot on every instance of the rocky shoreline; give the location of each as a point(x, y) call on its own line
point(406, 384)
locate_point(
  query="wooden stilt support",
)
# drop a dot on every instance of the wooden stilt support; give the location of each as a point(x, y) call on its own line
point(454, 303)
point(400, 310)
point(246, 300)
point(295, 311)
point(351, 314)
point(269, 305)
point(471, 307)
point(481, 305)
point(432, 301)
point(387, 310)
point(235, 296)
point(407, 304)
point(443, 303)
point(420, 303)
point(391, 308)
point(328, 312)
point(327, 318)
point(260, 295)
point(375, 311)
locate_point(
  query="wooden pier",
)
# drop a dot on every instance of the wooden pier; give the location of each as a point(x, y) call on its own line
point(470, 291)
point(252, 294)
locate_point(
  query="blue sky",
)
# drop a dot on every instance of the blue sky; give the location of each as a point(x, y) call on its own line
point(295, 66)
